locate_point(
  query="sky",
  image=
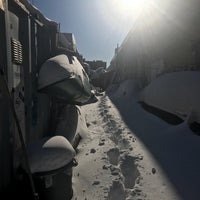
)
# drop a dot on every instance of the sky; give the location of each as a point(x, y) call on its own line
point(98, 25)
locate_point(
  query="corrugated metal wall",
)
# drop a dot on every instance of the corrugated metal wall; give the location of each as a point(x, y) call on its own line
point(22, 41)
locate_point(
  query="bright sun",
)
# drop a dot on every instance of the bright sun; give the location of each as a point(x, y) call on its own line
point(121, 14)
point(129, 8)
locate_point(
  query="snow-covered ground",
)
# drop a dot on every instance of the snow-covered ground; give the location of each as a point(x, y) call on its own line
point(130, 154)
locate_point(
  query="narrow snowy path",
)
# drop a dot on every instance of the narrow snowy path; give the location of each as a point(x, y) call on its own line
point(113, 163)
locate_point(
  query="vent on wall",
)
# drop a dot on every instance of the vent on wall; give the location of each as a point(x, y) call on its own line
point(16, 51)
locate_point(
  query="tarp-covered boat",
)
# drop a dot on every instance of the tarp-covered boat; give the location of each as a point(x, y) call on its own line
point(64, 77)
point(176, 93)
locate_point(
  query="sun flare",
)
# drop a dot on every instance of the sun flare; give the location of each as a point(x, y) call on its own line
point(129, 8)
point(120, 15)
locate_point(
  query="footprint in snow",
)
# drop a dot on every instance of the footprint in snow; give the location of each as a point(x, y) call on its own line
point(129, 170)
point(113, 156)
point(117, 191)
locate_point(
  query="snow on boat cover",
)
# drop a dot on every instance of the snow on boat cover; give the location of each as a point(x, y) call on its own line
point(64, 77)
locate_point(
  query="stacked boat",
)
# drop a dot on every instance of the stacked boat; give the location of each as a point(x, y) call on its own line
point(64, 77)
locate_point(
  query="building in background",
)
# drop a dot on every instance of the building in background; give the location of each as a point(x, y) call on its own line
point(162, 40)
point(97, 64)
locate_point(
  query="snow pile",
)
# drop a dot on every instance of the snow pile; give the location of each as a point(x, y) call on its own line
point(126, 90)
point(176, 93)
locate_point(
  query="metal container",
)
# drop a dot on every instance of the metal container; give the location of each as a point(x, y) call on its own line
point(51, 161)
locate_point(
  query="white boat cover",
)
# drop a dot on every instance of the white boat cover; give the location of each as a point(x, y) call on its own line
point(71, 122)
point(63, 76)
point(57, 69)
point(176, 93)
point(50, 154)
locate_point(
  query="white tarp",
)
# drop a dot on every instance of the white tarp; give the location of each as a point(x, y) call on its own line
point(54, 70)
point(50, 154)
point(177, 93)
